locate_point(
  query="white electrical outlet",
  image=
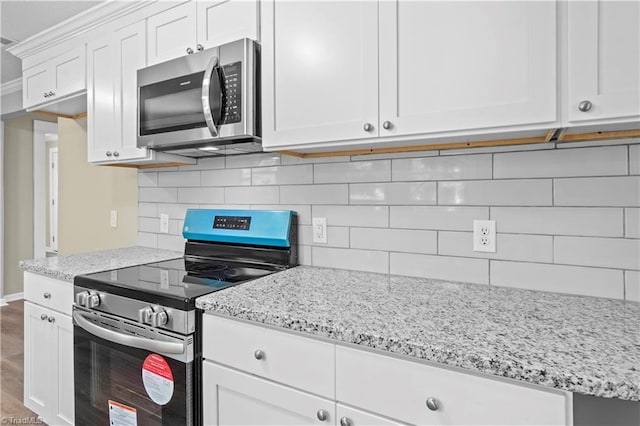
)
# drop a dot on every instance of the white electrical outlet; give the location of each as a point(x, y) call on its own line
point(319, 229)
point(164, 223)
point(484, 235)
point(114, 218)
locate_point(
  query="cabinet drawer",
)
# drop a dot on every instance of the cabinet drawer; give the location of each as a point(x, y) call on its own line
point(299, 362)
point(49, 292)
point(399, 389)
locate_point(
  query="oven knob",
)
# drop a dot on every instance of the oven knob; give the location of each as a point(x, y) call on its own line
point(93, 301)
point(158, 319)
point(81, 298)
point(144, 315)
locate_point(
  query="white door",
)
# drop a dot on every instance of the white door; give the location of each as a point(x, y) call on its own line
point(448, 66)
point(171, 33)
point(224, 21)
point(53, 199)
point(234, 398)
point(37, 359)
point(319, 71)
point(61, 355)
point(604, 60)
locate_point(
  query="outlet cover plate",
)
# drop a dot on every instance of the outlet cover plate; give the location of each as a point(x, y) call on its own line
point(484, 235)
point(114, 218)
point(164, 223)
point(319, 229)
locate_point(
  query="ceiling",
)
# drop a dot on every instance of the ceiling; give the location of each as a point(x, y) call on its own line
point(20, 19)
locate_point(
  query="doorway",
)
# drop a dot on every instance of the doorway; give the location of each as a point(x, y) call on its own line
point(45, 188)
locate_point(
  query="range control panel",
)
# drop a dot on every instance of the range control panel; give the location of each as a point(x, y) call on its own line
point(231, 104)
point(232, 222)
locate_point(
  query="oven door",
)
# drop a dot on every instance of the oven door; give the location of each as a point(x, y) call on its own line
point(119, 378)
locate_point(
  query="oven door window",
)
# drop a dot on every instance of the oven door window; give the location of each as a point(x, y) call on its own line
point(106, 371)
point(172, 105)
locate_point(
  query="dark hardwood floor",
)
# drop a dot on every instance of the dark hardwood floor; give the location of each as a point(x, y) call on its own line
point(12, 411)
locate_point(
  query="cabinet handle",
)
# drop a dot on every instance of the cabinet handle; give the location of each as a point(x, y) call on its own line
point(368, 127)
point(45, 94)
point(109, 154)
point(116, 154)
point(322, 415)
point(585, 106)
point(258, 354)
point(345, 421)
point(200, 47)
point(189, 51)
point(52, 320)
point(387, 125)
point(47, 295)
point(43, 317)
point(52, 93)
point(432, 404)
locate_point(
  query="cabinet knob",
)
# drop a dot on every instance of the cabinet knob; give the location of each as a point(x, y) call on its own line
point(45, 94)
point(51, 320)
point(345, 421)
point(189, 51)
point(200, 47)
point(432, 404)
point(368, 127)
point(47, 295)
point(387, 125)
point(43, 317)
point(322, 415)
point(585, 106)
point(109, 154)
point(258, 354)
point(116, 154)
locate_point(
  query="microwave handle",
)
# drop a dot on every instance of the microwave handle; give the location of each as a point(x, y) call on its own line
point(206, 101)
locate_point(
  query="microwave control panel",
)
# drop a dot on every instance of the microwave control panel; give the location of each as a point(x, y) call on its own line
point(231, 104)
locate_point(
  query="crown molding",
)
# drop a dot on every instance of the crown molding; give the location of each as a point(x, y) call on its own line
point(11, 86)
point(79, 24)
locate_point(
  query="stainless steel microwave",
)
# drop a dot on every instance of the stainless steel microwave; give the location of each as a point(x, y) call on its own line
point(202, 104)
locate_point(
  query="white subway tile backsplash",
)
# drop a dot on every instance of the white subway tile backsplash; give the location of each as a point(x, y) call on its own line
point(531, 248)
point(558, 278)
point(147, 210)
point(436, 217)
point(358, 171)
point(176, 211)
point(400, 240)
point(397, 193)
point(148, 224)
point(634, 160)
point(440, 267)
point(505, 148)
point(171, 242)
point(588, 221)
point(189, 178)
point(146, 239)
point(147, 179)
point(337, 236)
point(287, 160)
point(304, 255)
point(201, 195)
point(222, 206)
point(252, 160)
point(371, 216)
point(393, 155)
point(632, 223)
point(598, 191)
point(314, 194)
point(230, 177)
point(632, 286)
point(252, 194)
point(621, 253)
point(520, 192)
point(206, 163)
point(158, 195)
point(600, 161)
point(603, 142)
point(283, 175)
point(359, 260)
point(443, 168)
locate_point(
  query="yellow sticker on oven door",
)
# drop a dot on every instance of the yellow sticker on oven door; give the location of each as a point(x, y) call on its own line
point(157, 379)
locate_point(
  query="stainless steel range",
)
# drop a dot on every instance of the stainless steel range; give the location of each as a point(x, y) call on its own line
point(137, 334)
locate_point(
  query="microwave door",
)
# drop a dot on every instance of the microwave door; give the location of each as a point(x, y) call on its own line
point(212, 96)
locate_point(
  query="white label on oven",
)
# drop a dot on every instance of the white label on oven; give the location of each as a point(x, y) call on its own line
point(164, 278)
point(157, 379)
point(122, 415)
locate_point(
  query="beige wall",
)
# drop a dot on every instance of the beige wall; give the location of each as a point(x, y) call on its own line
point(88, 193)
point(18, 197)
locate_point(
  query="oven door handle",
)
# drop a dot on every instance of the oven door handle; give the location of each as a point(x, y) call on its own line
point(127, 340)
point(206, 100)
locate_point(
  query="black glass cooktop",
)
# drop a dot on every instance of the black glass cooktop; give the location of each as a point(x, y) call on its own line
point(172, 283)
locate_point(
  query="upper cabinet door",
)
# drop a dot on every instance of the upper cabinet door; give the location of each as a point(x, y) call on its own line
point(227, 20)
point(171, 33)
point(604, 60)
point(448, 66)
point(319, 71)
point(36, 85)
point(100, 117)
point(69, 72)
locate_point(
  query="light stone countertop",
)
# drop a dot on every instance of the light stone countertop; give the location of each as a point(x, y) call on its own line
point(574, 343)
point(65, 268)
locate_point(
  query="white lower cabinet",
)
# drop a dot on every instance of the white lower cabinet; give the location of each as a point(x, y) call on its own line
point(245, 383)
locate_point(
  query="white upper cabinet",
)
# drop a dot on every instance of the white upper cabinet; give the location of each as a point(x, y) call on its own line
point(604, 61)
point(197, 25)
point(338, 71)
point(100, 117)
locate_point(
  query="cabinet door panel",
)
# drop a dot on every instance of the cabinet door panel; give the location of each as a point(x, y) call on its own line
point(319, 71)
point(37, 359)
point(100, 110)
point(362, 418)
point(62, 408)
point(234, 398)
point(171, 32)
point(604, 59)
point(227, 20)
point(37, 82)
point(447, 66)
point(69, 72)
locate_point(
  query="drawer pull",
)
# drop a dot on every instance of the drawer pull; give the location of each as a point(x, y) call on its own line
point(47, 295)
point(43, 317)
point(258, 354)
point(322, 415)
point(345, 421)
point(432, 404)
point(51, 320)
